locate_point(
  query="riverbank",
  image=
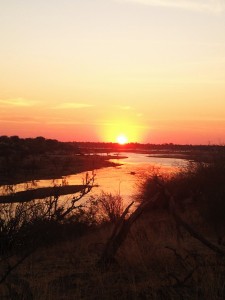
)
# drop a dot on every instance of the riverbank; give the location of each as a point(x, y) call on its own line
point(194, 156)
point(41, 167)
point(41, 193)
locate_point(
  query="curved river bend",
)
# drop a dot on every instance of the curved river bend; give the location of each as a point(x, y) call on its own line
point(122, 179)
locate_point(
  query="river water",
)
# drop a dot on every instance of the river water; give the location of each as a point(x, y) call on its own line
point(126, 178)
point(122, 179)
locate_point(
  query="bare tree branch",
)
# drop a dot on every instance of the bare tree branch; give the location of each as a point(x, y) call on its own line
point(121, 231)
point(194, 233)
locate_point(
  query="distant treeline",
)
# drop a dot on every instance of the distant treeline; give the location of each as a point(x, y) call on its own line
point(31, 146)
point(27, 159)
point(41, 145)
point(166, 147)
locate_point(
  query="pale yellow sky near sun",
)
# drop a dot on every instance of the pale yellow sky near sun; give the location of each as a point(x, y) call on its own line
point(90, 70)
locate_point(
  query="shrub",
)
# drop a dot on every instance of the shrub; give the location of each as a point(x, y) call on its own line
point(106, 207)
point(201, 184)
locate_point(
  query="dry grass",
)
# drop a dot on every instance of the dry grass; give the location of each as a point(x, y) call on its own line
point(150, 265)
point(157, 261)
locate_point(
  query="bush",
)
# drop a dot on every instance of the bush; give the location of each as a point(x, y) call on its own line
point(200, 184)
point(106, 207)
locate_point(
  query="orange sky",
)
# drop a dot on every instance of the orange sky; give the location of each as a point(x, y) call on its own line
point(153, 70)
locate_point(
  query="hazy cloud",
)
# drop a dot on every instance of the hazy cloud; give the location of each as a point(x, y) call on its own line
point(72, 105)
point(125, 107)
point(20, 120)
point(17, 102)
point(64, 122)
point(214, 6)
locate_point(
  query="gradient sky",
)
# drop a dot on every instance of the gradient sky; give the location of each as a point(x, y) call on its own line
point(89, 70)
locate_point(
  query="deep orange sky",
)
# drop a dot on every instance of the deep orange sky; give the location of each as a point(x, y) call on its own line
point(90, 70)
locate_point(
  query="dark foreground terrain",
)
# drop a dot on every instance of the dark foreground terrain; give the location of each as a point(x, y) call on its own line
point(168, 245)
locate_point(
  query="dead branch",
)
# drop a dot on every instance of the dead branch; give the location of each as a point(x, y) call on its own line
point(121, 231)
point(179, 220)
point(178, 255)
point(195, 234)
point(123, 226)
point(182, 282)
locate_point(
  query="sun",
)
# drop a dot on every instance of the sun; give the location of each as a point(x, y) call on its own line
point(122, 139)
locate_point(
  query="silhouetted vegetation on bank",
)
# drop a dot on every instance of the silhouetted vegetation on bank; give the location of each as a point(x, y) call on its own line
point(148, 147)
point(32, 146)
point(169, 246)
point(40, 193)
point(39, 158)
point(41, 145)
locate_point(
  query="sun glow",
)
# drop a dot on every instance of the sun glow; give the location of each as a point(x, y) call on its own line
point(122, 139)
point(121, 131)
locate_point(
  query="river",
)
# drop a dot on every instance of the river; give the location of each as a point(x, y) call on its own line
point(122, 179)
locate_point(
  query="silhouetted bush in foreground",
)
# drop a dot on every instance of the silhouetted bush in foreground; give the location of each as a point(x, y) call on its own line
point(201, 185)
point(26, 226)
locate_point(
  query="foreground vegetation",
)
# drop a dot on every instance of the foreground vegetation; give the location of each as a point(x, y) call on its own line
point(167, 245)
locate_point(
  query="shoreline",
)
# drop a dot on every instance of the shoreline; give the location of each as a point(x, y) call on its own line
point(59, 166)
point(68, 165)
point(41, 193)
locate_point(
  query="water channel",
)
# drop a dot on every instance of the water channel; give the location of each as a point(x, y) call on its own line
point(122, 179)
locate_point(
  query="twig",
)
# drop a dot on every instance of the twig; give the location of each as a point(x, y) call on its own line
point(121, 231)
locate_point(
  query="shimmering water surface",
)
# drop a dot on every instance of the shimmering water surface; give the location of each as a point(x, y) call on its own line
point(122, 179)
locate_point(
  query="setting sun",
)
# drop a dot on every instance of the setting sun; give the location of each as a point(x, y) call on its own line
point(137, 68)
point(122, 139)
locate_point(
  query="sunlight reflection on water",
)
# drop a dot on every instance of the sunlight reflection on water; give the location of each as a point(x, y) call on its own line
point(125, 178)
point(122, 179)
